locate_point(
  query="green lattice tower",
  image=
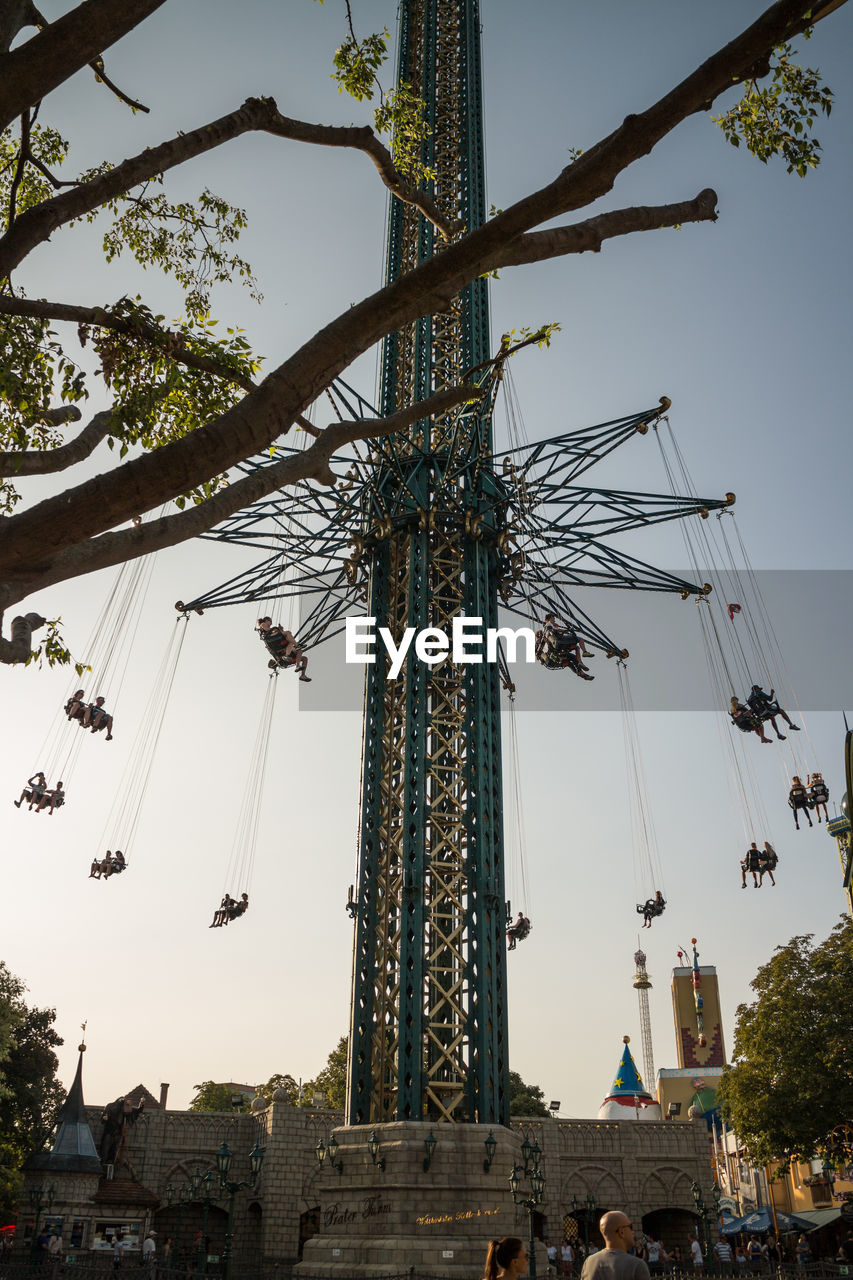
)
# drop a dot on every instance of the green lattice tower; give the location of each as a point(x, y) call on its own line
point(429, 1025)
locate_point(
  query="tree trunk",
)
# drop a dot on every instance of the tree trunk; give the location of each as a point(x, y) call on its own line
point(18, 649)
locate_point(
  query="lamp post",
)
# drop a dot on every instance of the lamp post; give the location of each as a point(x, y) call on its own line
point(201, 1192)
point(230, 1188)
point(716, 1196)
point(696, 1192)
point(40, 1196)
point(591, 1206)
point(373, 1146)
point(329, 1151)
point(529, 1200)
point(181, 1196)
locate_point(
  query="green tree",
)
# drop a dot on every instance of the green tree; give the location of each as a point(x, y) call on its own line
point(791, 1083)
point(30, 1094)
point(210, 1096)
point(186, 405)
point(525, 1099)
point(287, 1083)
point(331, 1081)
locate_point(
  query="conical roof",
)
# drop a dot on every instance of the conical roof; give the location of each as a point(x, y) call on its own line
point(74, 1149)
point(628, 1082)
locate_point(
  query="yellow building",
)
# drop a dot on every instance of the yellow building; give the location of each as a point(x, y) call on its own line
point(805, 1189)
point(699, 1043)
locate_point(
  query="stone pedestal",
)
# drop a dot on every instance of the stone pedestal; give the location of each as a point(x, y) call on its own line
point(438, 1221)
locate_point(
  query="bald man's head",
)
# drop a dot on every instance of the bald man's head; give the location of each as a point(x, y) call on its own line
point(615, 1226)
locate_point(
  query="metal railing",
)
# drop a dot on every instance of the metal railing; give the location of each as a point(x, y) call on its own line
point(85, 1267)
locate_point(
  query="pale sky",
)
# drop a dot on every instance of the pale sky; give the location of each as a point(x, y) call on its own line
point(745, 324)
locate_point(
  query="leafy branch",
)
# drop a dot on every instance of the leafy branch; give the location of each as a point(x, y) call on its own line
point(778, 118)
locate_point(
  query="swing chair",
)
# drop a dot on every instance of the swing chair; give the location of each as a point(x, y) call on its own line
point(520, 928)
point(648, 873)
point(107, 656)
point(740, 644)
point(122, 820)
point(241, 862)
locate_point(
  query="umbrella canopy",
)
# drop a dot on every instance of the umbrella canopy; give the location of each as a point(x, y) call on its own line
point(761, 1220)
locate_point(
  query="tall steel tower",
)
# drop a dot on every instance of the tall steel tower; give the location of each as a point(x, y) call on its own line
point(642, 986)
point(429, 1024)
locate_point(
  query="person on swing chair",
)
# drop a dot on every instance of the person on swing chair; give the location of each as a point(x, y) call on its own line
point(284, 648)
point(517, 931)
point(651, 908)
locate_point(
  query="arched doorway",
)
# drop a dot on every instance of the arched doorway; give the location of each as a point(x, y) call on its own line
point(194, 1236)
point(671, 1227)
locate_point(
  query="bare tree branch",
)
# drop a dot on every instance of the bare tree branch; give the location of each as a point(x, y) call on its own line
point(65, 528)
point(15, 15)
point(20, 167)
point(42, 462)
point(18, 648)
point(97, 65)
point(58, 417)
point(593, 173)
point(165, 340)
point(256, 114)
point(588, 236)
point(50, 58)
point(311, 463)
point(98, 68)
point(335, 136)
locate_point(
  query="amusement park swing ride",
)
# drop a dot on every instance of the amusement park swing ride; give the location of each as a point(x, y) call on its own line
point(438, 521)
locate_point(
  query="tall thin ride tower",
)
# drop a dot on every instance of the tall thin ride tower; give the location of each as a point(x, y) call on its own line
point(428, 1034)
point(642, 986)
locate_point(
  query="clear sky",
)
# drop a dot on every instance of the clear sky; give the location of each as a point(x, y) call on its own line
point(745, 324)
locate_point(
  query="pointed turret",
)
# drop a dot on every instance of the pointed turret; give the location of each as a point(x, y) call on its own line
point(74, 1149)
point(628, 1099)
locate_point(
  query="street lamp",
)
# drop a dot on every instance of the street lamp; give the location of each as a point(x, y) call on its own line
point(321, 1151)
point(591, 1206)
point(181, 1196)
point(491, 1147)
point(696, 1192)
point(532, 1171)
point(430, 1145)
point(373, 1148)
point(203, 1189)
point(230, 1188)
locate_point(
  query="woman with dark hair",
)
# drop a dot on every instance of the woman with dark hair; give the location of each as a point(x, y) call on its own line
point(505, 1258)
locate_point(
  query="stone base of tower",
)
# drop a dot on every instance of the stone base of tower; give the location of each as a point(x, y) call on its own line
point(437, 1221)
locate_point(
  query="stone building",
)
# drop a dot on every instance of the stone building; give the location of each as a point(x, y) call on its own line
point(400, 1196)
point(163, 1176)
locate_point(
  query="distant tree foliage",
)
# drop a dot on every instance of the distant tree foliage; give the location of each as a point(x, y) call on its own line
point(210, 1096)
point(30, 1094)
point(525, 1099)
point(276, 1082)
point(332, 1080)
point(791, 1082)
